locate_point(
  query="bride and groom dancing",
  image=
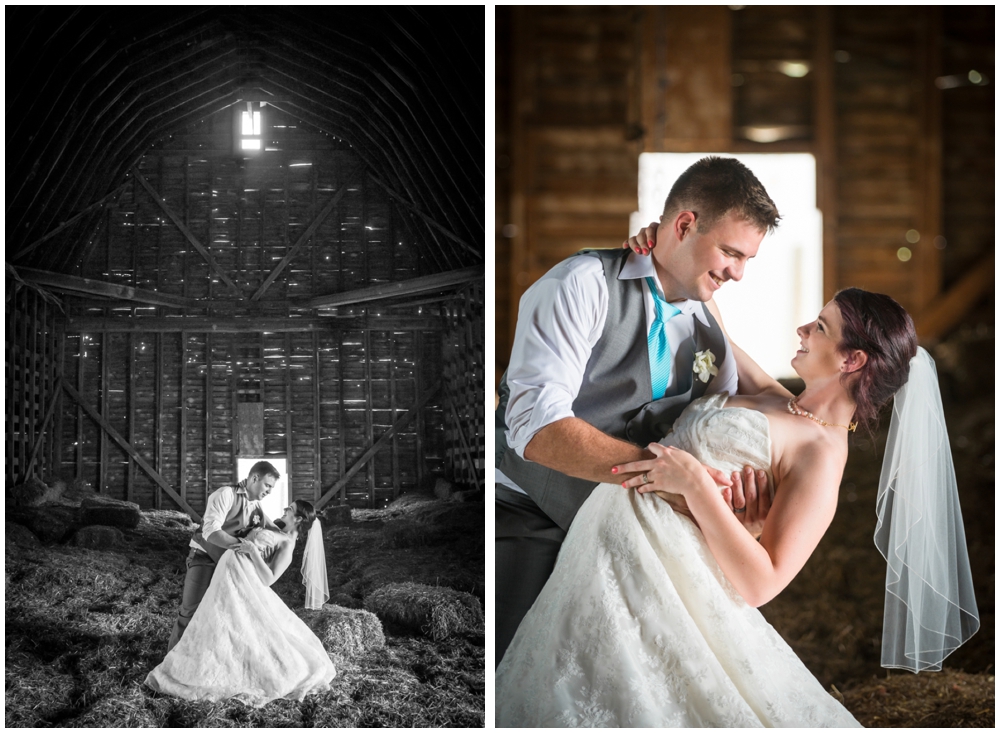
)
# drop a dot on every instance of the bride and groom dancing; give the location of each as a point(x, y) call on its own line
point(234, 636)
point(627, 577)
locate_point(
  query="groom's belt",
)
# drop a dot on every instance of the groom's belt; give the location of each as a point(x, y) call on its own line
point(198, 555)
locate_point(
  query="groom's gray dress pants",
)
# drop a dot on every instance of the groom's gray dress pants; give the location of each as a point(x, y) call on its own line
point(200, 569)
point(527, 544)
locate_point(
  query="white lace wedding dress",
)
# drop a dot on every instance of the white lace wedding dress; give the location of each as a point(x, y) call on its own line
point(638, 626)
point(244, 642)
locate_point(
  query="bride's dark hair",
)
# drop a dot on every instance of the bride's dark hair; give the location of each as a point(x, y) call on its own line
point(305, 512)
point(879, 326)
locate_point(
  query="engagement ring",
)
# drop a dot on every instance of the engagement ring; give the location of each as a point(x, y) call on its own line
point(645, 479)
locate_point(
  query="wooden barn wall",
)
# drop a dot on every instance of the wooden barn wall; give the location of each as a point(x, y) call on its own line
point(33, 348)
point(464, 374)
point(902, 162)
point(329, 389)
point(573, 170)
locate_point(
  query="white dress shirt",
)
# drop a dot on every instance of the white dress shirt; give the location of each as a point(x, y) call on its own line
point(217, 508)
point(560, 319)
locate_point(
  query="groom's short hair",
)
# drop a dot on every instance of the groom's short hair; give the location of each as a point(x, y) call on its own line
point(262, 469)
point(714, 187)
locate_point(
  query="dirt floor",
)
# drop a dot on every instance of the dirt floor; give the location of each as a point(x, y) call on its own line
point(84, 627)
point(831, 614)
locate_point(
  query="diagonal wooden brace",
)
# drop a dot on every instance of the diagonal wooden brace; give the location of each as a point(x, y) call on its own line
point(127, 447)
point(310, 230)
point(428, 220)
point(379, 444)
point(186, 232)
point(465, 444)
point(41, 433)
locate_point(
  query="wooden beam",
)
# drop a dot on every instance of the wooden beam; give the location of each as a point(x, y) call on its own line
point(366, 339)
point(155, 324)
point(412, 286)
point(825, 116)
point(124, 444)
point(428, 220)
point(102, 467)
point(187, 233)
point(130, 474)
point(41, 434)
point(379, 444)
point(948, 310)
point(183, 419)
point(100, 287)
point(289, 407)
point(928, 156)
point(307, 234)
point(317, 427)
point(69, 222)
point(158, 495)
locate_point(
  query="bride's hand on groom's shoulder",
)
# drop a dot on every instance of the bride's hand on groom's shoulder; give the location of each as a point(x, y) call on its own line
point(643, 242)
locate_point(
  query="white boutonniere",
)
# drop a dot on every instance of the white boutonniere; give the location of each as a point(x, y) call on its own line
point(704, 365)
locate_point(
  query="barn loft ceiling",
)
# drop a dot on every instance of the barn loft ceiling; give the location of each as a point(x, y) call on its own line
point(90, 90)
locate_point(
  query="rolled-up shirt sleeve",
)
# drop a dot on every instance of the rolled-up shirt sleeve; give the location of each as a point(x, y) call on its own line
point(218, 506)
point(560, 318)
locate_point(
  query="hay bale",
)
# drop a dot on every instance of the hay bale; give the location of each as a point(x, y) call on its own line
point(17, 534)
point(404, 533)
point(111, 512)
point(468, 495)
point(31, 493)
point(433, 611)
point(443, 489)
point(345, 632)
point(98, 537)
point(49, 523)
point(337, 514)
point(78, 490)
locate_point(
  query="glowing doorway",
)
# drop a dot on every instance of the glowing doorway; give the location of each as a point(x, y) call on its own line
point(274, 503)
point(782, 287)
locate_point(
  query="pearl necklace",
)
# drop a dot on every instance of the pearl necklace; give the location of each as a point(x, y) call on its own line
point(794, 408)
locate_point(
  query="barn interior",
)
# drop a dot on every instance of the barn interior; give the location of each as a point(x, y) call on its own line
point(237, 234)
point(896, 106)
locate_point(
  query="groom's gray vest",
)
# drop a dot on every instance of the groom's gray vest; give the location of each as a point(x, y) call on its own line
point(616, 395)
point(232, 524)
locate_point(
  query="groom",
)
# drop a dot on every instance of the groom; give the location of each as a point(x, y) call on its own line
point(230, 513)
point(609, 348)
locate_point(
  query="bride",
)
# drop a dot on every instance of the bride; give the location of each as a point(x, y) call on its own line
point(243, 641)
point(649, 617)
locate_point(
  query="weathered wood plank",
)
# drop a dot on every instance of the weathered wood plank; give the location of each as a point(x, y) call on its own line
point(27, 249)
point(478, 252)
point(158, 422)
point(40, 437)
point(307, 234)
point(125, 446)
point(187, 233)
point(379, 444)
point(465, 443)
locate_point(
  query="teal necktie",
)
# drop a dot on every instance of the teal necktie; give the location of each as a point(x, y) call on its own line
point(659, 348)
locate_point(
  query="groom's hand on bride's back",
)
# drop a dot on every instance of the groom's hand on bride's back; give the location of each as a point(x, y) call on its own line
point(751, 493)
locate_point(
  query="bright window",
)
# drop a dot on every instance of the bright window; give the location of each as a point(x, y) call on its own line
point(249, 127)
point(782, 287)
point(250, 123)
